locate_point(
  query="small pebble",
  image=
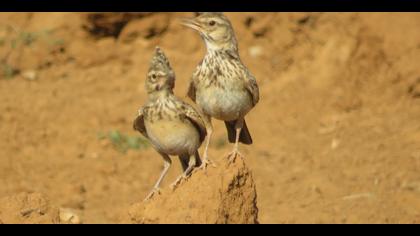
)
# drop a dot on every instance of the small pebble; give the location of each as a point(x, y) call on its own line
point(359, 196)
point(94, 155)
point(256, 51)
point(335, 143)
point(29, 75)
point(68, 216)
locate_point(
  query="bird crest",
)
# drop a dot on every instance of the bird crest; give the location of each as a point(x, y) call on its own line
point(160, 62)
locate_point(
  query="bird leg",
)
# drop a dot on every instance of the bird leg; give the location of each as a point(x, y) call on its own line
point(206, 160)
point(156, 189)
point(187, 172)
point(235, 152)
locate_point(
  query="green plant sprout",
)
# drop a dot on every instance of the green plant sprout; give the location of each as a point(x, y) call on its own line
point(122, 142)
point(19, 40)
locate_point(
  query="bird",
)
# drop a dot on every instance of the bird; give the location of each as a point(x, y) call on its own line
point(173, 127)
point(221, 85)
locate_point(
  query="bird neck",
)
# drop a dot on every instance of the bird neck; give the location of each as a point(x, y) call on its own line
point(220, 55)
point(228, 46)
point(161, 94)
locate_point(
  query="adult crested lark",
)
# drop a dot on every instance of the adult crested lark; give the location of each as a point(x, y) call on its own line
point(172, 126)
point(222, 86)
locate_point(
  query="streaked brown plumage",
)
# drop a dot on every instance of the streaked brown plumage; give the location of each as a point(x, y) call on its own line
point(222, 86)
point(172, 126)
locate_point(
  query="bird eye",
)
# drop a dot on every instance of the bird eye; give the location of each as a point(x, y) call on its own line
point(153, 76)
point(212, 23)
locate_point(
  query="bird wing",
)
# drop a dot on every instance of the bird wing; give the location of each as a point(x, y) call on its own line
point(195, 118)
point(191, 91)
point(251, 85)
point(252, 88)
point(139, 123)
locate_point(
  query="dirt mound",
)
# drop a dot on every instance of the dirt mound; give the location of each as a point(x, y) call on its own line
point(223, 195)
point(27, 208)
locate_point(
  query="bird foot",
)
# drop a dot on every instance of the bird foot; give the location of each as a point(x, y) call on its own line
point(207, 162)
point(155, 191)
point(177, 182)
point(233, 155)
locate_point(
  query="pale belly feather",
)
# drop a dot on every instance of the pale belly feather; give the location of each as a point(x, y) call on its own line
point(226, 105)
point(173, 137)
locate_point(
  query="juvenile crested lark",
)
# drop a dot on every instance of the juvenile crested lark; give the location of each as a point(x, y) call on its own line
point(222, 86)
point(172, 126)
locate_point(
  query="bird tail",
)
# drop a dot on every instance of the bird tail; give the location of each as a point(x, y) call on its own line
point(244, 137)
point(184, 159)
point(197, 159)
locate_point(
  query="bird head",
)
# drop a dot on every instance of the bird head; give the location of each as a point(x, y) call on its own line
point(160, 75)
point(215, 29)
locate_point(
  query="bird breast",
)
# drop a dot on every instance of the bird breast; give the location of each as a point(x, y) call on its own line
point(173, 137)
point(228, 103)
point(220, 89)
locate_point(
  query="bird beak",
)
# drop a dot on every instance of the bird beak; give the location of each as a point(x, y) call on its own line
point(161, 83)
point(159, 86)
point(191, 23)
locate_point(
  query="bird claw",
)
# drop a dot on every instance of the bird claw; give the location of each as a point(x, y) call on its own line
point(152, 193)
point(178, 182)
point(233, 155)
point(207, 162)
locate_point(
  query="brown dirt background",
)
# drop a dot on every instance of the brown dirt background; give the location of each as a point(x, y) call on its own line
point(337, 131)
